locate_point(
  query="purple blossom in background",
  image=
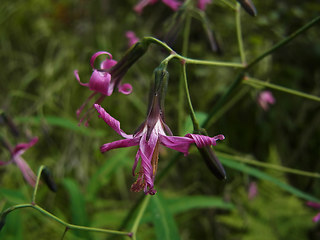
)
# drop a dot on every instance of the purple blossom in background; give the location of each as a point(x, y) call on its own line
point(101, 82)
point(315, 205)
point(16, 158)
point(132, 38)
point(265, 98)
point(253, 190)
point(173, 4)
point(149, 136)
point(202, 4)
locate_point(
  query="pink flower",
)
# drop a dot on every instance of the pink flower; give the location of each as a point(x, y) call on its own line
point(16, 158)
point(202, 4)
point(149, 136)
point(316, 218)
point(132, 38)
point(265, 98)
point(253, 190)
point(173, 4)
point(101, 82)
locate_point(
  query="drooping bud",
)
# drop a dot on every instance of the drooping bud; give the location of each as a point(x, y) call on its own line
point(48, 179)
point(249, 7)
point(212, 161)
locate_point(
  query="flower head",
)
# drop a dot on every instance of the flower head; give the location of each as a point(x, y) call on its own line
point(265, 98)
point(173, 4)
point(202, 4)
point(152, 133)
point(16, 158)
point(316, 218)
point(101, 82)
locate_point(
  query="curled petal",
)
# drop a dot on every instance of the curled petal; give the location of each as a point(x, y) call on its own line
point(21, 147)
point(173, 4)
point(108, 63)
point(76, 74)
point(125, 88)
point(180, 144)
point(113, 123)
point(136, 160)
point(26, 171)
point(94, 56)
point(202, 141)
point(119, 144)
point(100, 82)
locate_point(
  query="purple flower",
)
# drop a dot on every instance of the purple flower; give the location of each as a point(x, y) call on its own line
point(202, 4)
point(173, 4)
point(16, 158)
point(265, 98)
point(252, 191)
point(316, 218)
point(132, 38)
point(101, 82)
point(149, 136)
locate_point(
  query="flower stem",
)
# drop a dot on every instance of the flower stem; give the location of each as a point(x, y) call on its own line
point(139, 216)
point(253, 81)
point(196, 126)
point(226, 2)
point(37, 184)
point(239, 34)
point(67, 225)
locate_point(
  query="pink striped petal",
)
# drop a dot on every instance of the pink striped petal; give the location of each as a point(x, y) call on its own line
point(125, 88)
point(26, 171)
point(119, 144)
point(21, 147)
point(173, 4)
point(112, 122)
point(76, 74)
point(107, 64)
point(100, 82)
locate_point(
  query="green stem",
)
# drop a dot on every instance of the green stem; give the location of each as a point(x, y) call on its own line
point(185, 45)
point(268, 165)
point(253, 81)
point(195, 122)
point(139, 216)
point(37, 184)
point(239, 34)
point(67, 225)
point(228, 4)
point(283, 42)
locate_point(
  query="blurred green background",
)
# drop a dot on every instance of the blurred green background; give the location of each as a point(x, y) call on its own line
point(43, 41)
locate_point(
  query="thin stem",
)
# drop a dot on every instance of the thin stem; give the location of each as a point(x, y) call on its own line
point(268, 165)
point(283, 42)
point(185, 45)
point(37, 184)
point(68, 225)
point(253, 81)
point(195, 122)
point(228, 4)
point(239, 34)
point(139, 216)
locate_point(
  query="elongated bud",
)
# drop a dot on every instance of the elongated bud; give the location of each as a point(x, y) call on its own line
point(212, 161)
point(131, 56)
point(48, 179)
point(249, 7)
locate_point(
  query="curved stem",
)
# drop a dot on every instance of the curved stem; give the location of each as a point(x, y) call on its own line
point(196, 126)
point(67, 225)
point(37, 184)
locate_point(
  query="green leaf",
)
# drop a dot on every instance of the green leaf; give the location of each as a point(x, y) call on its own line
point(12, 196)
point(103, 174)
point(163, 220)
point(60, 122)
point(183, 204)
point(261, 175)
